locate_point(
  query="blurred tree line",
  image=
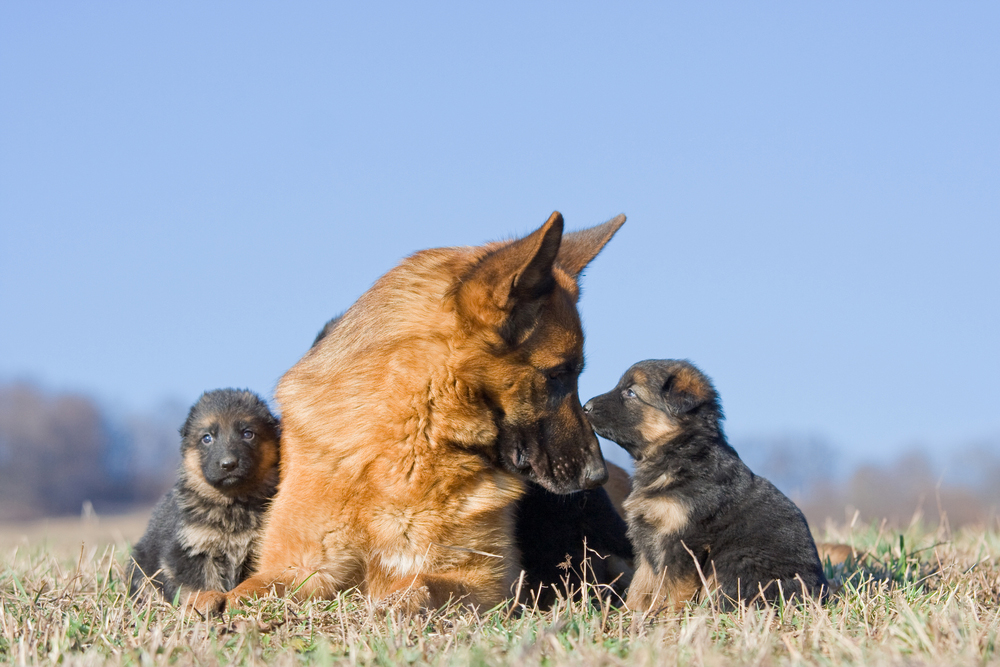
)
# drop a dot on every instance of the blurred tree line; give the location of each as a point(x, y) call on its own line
point(961, 485)
point(59, 450)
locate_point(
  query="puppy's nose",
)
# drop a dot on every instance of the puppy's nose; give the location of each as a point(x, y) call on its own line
point(588, 406)
point(228, 462)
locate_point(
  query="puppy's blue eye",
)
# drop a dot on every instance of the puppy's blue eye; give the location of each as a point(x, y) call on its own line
point(629, 393)
point(207, 439)
point(248, 434)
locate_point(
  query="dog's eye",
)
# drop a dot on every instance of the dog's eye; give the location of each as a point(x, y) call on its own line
point(207, 438)
point(247, 434)
point(628, 393)
point(563, 373)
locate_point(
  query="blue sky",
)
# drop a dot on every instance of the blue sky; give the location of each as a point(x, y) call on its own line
point(189, 190)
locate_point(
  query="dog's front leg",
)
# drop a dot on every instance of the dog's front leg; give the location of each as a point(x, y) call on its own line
point(481, 585)
point(427, 591)
point(291, 581)
point(206, 603)
point(278, 582)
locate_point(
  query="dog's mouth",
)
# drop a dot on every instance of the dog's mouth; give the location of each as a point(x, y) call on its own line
point(518, 459)
point(538, 468)
point(230, 482)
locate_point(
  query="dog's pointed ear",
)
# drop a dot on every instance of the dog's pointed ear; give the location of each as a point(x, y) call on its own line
point(535, 253)
point(579, 248)
point(504, 288)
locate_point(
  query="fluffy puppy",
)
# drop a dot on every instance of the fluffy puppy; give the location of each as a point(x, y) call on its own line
point(202, 534)
point(697, 516)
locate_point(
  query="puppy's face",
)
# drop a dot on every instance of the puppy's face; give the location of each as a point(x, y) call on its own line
point(652, 404)
point(230, 440)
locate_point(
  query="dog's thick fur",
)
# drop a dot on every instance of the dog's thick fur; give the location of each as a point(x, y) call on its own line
point(569, 540)
point(202, 534)
point(698, 517)
point(411, 425)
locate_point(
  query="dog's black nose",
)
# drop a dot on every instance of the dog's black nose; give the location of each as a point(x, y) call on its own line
point(588, 406)
point(228, 462)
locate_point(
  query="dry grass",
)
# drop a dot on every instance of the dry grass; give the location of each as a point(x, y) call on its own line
point(921, 597)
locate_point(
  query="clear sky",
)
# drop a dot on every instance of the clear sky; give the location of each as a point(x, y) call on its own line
point(188, 190)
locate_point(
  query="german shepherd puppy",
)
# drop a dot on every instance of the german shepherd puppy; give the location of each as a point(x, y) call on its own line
point(697, 516)
point(202, 534)
point(410, 428)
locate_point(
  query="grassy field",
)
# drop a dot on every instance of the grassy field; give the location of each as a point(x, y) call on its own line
point(919, 597)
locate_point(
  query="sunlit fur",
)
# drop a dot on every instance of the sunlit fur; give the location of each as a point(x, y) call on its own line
point(411, 424)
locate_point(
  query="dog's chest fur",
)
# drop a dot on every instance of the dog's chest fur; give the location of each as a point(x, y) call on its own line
point(220, 538)
point(439, 532)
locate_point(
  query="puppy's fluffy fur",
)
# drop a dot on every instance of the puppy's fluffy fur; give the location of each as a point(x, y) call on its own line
point(202, 534)
point(697, 516)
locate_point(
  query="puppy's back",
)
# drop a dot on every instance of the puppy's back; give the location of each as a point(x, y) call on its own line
point(149, 553)
point(765, 538)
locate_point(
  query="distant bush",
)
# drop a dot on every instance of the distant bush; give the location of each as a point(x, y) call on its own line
point(962, 488)
point(59, 450)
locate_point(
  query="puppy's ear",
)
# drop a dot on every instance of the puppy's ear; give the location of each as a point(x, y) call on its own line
point(579, 248)
point(187, 428)
point(506, 287)
point(684, 390)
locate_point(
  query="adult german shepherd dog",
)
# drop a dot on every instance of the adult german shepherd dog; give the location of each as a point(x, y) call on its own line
point(409, 429)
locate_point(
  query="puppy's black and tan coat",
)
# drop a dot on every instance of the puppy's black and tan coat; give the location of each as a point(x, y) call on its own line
point(202, 534)
point(694, 504)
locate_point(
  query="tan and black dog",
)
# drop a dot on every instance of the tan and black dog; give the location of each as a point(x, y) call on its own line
point(202, 534)
point(566, 541)
point(697, 516)
point(410, 427)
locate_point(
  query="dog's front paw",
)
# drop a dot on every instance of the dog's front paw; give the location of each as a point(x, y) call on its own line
point(206, 603)
point(409, 600)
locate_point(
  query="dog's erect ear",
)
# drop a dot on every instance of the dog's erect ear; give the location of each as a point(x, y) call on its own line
point(536, 253)
point(510, 280)
point(580, 247)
